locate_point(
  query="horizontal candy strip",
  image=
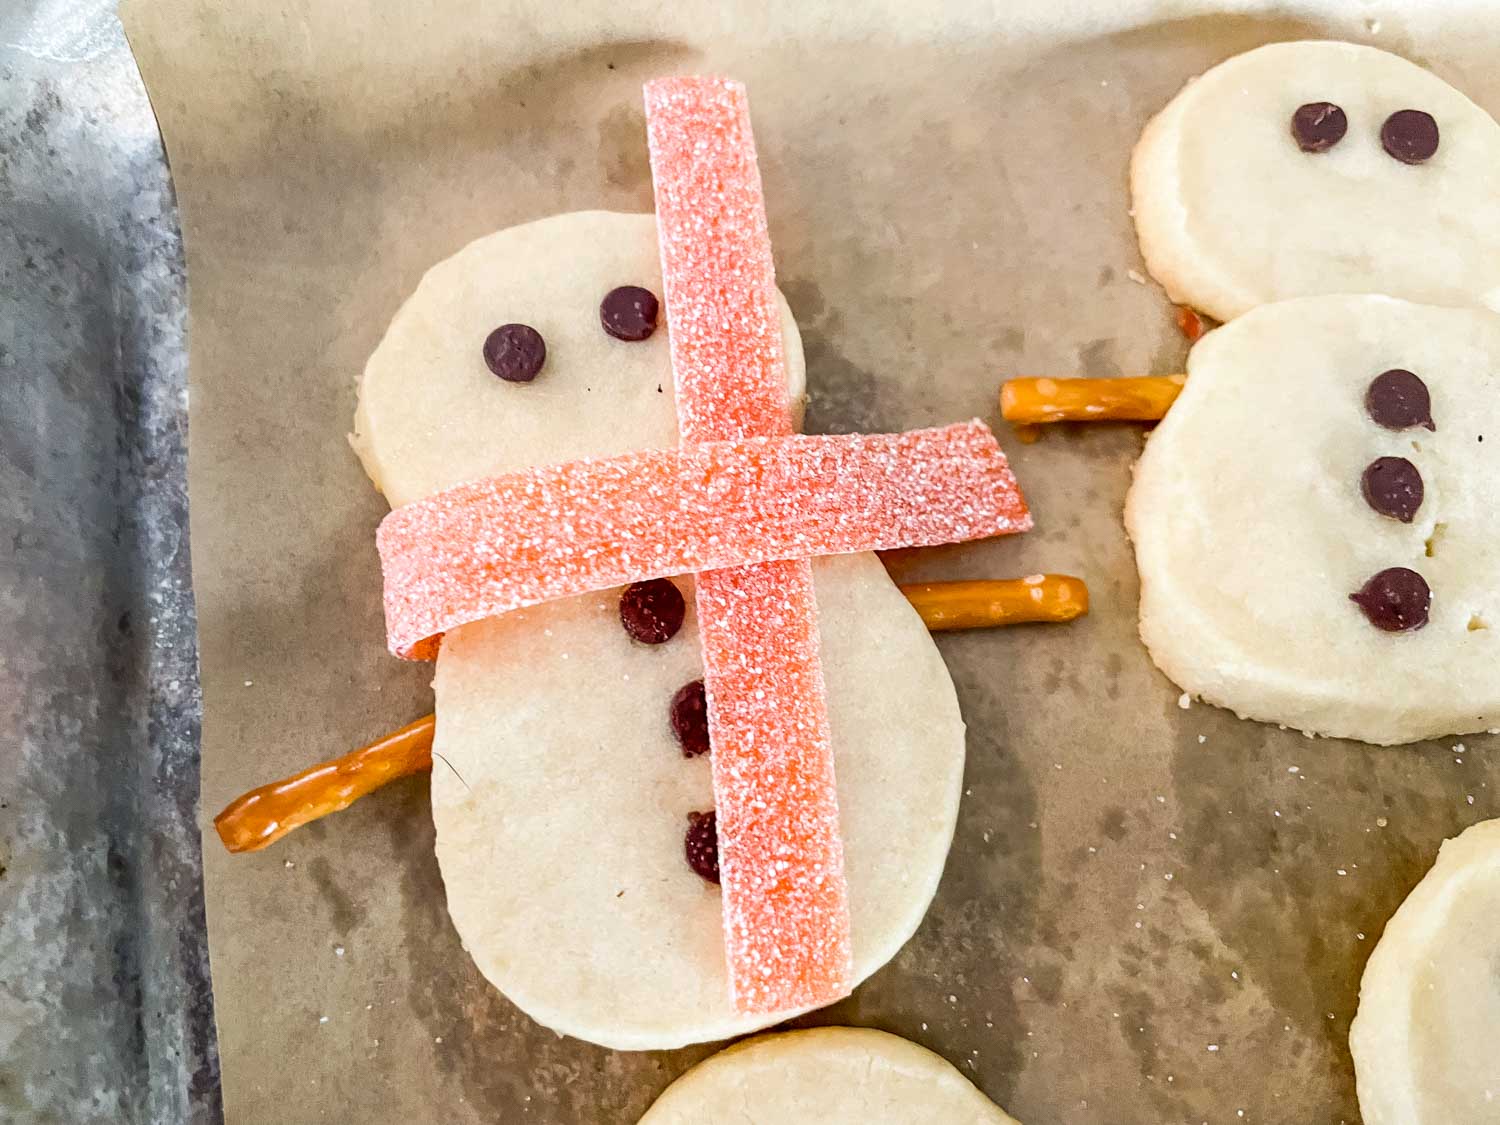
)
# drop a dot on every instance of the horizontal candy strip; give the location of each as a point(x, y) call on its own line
point(491, 546)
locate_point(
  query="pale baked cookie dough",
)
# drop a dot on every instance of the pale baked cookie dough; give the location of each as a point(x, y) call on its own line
point(1251, 528)
point(1232, 213)
point(1424, 1037)
point(560, 824)
point(431, 414)
point(826, 1076)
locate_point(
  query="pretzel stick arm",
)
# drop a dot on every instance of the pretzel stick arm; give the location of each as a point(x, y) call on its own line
point(1142, 399)
point(264, 815)
point(1013, 601)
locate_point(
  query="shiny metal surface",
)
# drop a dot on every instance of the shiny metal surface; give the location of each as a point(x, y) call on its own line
point(105, 1009)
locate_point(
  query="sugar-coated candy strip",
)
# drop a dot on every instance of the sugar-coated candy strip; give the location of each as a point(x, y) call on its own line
point(781, 854)
point(781, 857)
point(723, 318)
point(490, 546)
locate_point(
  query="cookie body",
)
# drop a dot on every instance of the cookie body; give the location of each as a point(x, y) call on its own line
point(1252, 528)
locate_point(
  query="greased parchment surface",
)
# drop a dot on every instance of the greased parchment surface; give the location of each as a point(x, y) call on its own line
point(1150, 914)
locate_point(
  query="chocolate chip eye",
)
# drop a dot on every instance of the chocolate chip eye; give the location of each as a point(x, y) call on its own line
point(1398, 400)
point(629, 312)
point(1396, 600)
point(515, 352)
point(652, 611)
point(700, 844)
point(1393, 487)
point(1318, 126)
point(1410, 135)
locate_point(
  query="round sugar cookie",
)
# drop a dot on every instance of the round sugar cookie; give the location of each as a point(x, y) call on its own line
point(1423, 1039)
point(431, 414)
point(1251, 527)
point(1232, 213)
point(825, 1076)
point(560, 826)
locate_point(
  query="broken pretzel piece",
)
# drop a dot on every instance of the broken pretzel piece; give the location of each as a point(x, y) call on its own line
point(264, 815)
point(1141, 399)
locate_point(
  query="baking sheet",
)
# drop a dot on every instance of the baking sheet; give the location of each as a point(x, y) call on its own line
point(105, 1009)
point(1150, 913)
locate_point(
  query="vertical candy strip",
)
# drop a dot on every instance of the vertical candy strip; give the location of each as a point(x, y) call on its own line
point(781, 858)
point(723, 316)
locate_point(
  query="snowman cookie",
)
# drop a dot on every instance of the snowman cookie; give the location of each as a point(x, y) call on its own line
point(1423, 1039)
point(825, 1076)
point(579, 788)
point(1312, 520)
point(1308, 168)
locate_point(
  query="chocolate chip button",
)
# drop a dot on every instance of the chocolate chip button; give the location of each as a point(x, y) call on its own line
point(515, 352)
point(652, 611)
point(1410, 135)
point(1396, 600)
point(629, 312)
point(689, 713)
point(1318, 126)
point(701, 844)
point(1398, 400)
point(1393, 487)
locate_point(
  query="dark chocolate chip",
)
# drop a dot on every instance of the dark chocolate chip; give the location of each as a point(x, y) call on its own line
point(701, 844)
point(1396, 600)
point(515, 352)
point(629, 312)
point(1398, 400)
point(1410, 135)
point(1318, 126)
point(690, 719)
point(652, 611)
point(1393, 487)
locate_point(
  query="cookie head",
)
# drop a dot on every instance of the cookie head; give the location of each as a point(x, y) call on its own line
point(1300, 169)
point(537, 344)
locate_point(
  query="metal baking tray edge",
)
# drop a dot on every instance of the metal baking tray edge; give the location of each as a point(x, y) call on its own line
point(106, 1013)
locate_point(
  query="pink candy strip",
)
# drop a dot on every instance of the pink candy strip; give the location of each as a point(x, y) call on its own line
point(723, 317)
point(491, 546)
point(781, 858)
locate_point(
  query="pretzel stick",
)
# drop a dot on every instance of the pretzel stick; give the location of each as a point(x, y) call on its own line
point(1142, 399)
point(1192, 324)
point(263, 816)
point(1013, 601)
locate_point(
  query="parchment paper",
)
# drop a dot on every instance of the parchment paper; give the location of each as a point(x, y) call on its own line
point(1132, 885)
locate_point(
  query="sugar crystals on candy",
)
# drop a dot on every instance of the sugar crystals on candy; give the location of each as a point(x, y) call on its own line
point(781, 858)
point(491, 546)
point(744, 503)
